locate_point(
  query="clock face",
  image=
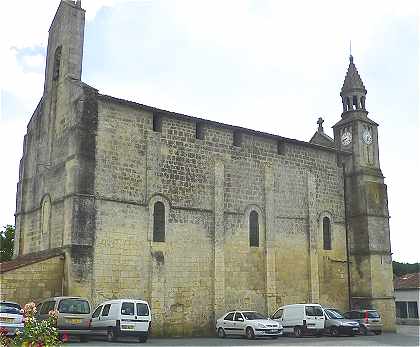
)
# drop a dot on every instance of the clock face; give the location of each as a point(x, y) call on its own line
point(367, 137)
point(346, 138)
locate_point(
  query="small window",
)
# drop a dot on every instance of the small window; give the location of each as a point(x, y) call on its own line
point(199, 131)
point(159, 222)
point(142, 309)
point(238, 316)
point(278, 314)
point(237, 138)
point(127, 308)
point(74, 306)
point(326, 232)
point(47, 307)
point(281, 147)
point(97, 311)
point(157, 122)
point(229, 316)
point(106, 309)
point(253, 229)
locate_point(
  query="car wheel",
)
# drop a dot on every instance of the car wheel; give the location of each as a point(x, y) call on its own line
point(221, 333)
point(110, 335)
point(378, 332)
point(363, 330)
point(298, 331)
point(249, 333)
point(334, 331)
point(142, 339)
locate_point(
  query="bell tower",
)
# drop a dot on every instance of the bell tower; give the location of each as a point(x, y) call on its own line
point(366, 198)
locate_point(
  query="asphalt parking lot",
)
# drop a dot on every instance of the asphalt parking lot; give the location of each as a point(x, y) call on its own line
point(405, 336)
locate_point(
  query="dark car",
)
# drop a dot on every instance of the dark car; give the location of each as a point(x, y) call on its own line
point(369, 320)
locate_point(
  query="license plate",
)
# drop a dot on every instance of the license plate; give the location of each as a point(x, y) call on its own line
point(6, 320)
point(75, 321)
point(355, 329)
point(127, 327)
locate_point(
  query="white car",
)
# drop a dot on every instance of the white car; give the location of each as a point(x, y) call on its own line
point(247, 323)
point(11, 319)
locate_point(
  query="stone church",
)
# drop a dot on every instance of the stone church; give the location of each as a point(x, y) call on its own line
point(118, 199)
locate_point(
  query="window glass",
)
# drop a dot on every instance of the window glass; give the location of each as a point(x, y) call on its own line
point(332, 314)
point(314, 311)
point(401, 308)
point(106, 309)
point(78, 306)
point(159, 222)
point(47, 307)
point(326, 230)
point(413, 311)
point(278, 314)
point(253, 315)
point(127, 308)
point(97, 311)
point(229, 316)
point(238, 315)
point(142, 309)
point(373, 314)
point(6, 307)
point(253, 229)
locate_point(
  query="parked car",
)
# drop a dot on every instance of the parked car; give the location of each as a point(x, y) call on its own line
point(301, 319)
point(122, 317)
point(369, 320)
point(247, 323)
point(336, 324)
point(11, 319)
point(73, 315)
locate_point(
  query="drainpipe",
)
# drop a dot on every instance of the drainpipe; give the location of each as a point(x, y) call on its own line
point(347, 235)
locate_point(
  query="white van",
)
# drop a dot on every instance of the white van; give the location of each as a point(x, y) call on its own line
point(122, 317)
point(301, 319)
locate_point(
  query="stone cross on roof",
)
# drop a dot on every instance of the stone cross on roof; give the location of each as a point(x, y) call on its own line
point(320, 127)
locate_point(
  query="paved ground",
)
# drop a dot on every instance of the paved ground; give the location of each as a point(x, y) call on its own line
point(406, 336)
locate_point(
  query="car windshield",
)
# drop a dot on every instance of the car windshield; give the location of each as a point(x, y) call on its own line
point(373, 314)
point(77, 306)
point(10, 308)
point(253, 315)
point(333, 314)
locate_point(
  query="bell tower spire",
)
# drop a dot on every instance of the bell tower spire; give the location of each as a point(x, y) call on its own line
point(353, 93)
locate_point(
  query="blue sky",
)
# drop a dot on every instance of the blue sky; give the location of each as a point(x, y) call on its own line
point(259, 64)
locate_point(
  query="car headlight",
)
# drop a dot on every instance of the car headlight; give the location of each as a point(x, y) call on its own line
point(259, 325)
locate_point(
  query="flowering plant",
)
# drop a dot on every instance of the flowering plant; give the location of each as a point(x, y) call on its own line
point(37, 333)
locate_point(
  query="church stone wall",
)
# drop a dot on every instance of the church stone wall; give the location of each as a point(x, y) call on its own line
point(204, 268)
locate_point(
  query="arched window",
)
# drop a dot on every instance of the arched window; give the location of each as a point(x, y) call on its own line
point(254, 235)
point(57, 61)
point(45, 214)
point(159, 222)
point(326, 232)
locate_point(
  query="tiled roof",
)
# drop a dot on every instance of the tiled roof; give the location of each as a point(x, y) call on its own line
point(408, 281)
point(30, 258)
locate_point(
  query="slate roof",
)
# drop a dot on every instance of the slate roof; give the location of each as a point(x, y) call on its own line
point(408, 281)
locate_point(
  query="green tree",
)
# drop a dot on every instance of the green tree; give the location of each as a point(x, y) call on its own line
point(7, 237)
point(405, 268)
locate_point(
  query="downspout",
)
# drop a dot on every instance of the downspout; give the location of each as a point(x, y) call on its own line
point(347, 235)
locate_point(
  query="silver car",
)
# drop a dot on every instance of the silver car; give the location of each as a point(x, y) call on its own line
point(73, 315)
point(11, 319)
point(336, 324)
point(369, 320)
